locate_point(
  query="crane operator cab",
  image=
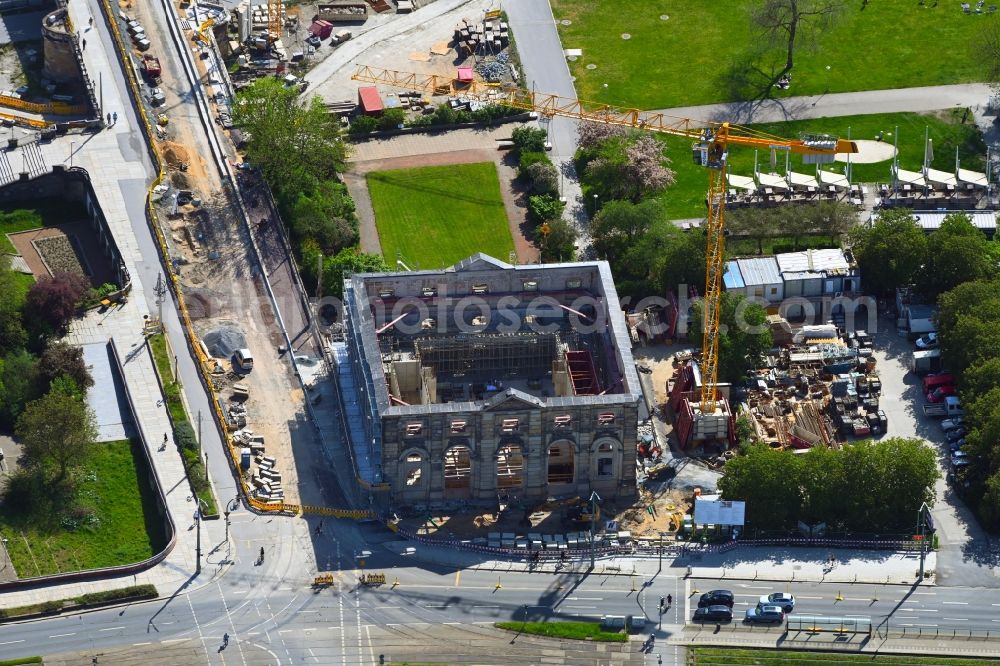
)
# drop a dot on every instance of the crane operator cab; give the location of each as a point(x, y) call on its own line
point(709, 154)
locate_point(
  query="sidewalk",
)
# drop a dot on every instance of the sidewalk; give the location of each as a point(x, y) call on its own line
point(739, 636)
point(751, 563)
point(120, 171)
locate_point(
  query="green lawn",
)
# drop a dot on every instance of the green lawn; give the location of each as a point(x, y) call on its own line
point(687, 59)
point(575, 630)
point(713, 656)
point(436, 216)
point(113, 520)
point(686, 198)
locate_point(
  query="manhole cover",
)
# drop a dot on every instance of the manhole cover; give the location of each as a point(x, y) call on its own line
point(591, 66)
point(664, 17)
point(625, 35)
point(605, 85)
point(571, 58)
point(566, 22)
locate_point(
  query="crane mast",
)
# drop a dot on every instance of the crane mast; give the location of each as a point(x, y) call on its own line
point(712, 141)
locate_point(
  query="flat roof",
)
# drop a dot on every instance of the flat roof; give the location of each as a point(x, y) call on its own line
point(985, 220)
point(370, 99)
point(732, 279)
point(821, 262)
point(759, 270)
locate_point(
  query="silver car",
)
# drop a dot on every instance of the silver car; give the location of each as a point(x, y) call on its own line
point(783, 600)
point(765, 614)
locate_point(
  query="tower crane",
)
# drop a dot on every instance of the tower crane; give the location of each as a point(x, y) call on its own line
point(710, 149)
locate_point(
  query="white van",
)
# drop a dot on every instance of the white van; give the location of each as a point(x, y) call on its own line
point(244, 359)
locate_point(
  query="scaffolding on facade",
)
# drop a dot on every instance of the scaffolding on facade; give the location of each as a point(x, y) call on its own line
point(509, 354)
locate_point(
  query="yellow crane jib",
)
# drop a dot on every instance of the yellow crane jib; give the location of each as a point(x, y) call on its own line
point(200, 32)
point(711, 142)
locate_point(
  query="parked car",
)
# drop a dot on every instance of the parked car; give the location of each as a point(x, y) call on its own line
point(956, 445)
point(956, 434)
point(244, 358)
point(713, 614)
point(717, 598)
point(783, 600)
point(960, 458)
point(314, 41)
point(928, 341)
point(940, 393)
point(952, 424)
point(765, 614)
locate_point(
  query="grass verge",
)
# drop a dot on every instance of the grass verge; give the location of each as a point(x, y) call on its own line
point(112, 520)
point(713, 656)
point(21, 660)
point(436, 216)
point(131, 593)
point(194, 465)
point(574, 630)
point(686, 197)
point(645, 70)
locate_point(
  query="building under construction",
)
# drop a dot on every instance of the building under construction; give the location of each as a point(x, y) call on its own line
point(490, 382)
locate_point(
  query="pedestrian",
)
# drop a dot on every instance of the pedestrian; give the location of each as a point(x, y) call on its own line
point(115, 117)
point(670, 599)
point(84, 42)
point(109, 117)
point(262, 553)
point(91, 20)
point(662, 602)
point(164, 438)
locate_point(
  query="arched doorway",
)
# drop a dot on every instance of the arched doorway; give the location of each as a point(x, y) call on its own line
point(458, 471)
point(605, 461)
point(562, 463)
point(510, 467)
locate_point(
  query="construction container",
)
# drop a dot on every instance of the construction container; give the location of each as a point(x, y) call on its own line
point(321, 29)
point(370, 101)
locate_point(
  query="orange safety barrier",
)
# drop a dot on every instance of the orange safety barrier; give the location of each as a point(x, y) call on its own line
point(57, 108)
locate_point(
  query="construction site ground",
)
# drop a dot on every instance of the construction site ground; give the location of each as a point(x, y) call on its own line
point(219, 276)
point(551, 517)
point(397, 41)
point(460, 146)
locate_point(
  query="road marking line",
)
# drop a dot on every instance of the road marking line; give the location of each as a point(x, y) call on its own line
point(799, 596)
point(111, 628)
point(956, 603)
point(926, 610)
point(458, 577)
point(253, 633)
point(487, 606)
point(175, 640)
point(138, 644)
point(956, 619)
point(490, 623)
point(994, 620)
point(919, 625)
point(575, 606)
point(61, 635)
point(452, 623)
point(437, 606)
point(912, 617)
point(928, 593)
point(12, 642)
point(284, 631)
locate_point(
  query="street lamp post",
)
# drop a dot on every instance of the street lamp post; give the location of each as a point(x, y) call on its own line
point(197, 518)
point(659, 568)
point(594, 499)
point(921, 528)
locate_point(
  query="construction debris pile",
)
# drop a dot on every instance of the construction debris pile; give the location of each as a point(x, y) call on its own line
point(494, 71)
point(819, 390)
point(263, 478)
point(490, 36)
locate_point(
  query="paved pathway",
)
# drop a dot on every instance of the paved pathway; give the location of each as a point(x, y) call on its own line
point(120, 170)
point(930, 98)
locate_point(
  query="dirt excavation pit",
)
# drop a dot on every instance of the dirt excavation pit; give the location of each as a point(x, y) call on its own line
point(188, 172)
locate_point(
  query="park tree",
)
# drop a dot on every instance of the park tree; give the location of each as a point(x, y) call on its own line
point(632, 166)
point(335, 268)
point(743, 334)
point(591, 135)
point(56, 431)
point(61, 359)
point(957, 252)
point(18, 385)
point(325, 215)
point(679, 258)
point(12, 333)
point(768, 481)
point(544, 178)
point(557, 240)
point(285, 135)
point(528, 139)
point(785, 24)
point(891, 251)
point(53, 301)
point(969, 324)
point(620, 225)
point(886, 482)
